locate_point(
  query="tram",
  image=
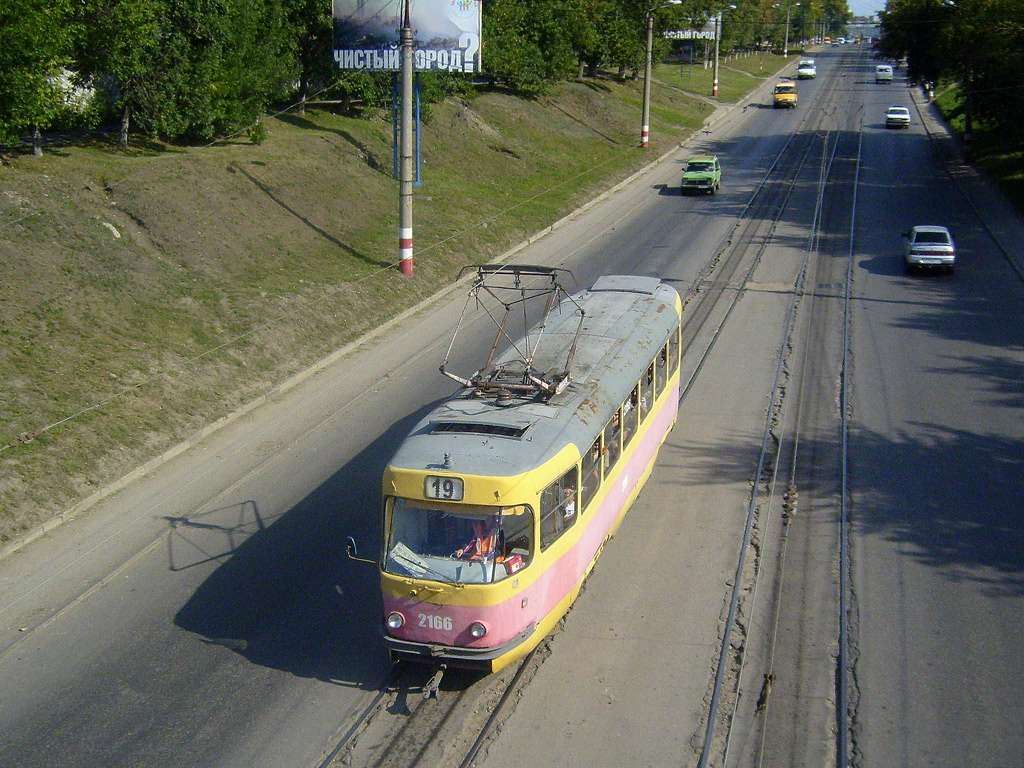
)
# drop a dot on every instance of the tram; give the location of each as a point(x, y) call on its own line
point(499, 502)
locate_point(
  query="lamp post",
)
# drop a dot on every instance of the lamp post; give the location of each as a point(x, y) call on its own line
point(646, 118)
point(785, 45)
point(718, 34)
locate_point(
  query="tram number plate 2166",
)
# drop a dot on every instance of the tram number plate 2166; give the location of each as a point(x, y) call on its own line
point(444, 488)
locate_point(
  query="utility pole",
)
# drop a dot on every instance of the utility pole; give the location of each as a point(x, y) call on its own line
point(406, 158)
point(645, 129)
point(785, 45)
point(718, 34)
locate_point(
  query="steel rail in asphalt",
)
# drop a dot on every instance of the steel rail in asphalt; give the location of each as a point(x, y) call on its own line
point(738, 585)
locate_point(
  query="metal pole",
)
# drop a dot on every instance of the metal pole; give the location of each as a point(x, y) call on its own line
point(645, 127)
point(405, 191)
point(718, 34)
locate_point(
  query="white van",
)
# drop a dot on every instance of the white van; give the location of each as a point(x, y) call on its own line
point(883, 73)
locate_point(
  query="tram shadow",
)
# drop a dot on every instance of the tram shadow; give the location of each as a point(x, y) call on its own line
point(286, 596)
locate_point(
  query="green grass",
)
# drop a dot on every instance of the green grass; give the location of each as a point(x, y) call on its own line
point(145, 293)
point(737, 76)
point(1000, 154)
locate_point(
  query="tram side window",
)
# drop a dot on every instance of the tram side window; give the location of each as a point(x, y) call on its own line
point(673, 351)
point(647, 392)
point(591, 473)
point(558, 508)
point(612, 447)
point(630, 415)
point(661, 363)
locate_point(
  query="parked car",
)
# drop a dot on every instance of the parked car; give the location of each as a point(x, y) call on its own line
point(929, 246)
point(702, 173)
point(806, 70)
point(897, 117)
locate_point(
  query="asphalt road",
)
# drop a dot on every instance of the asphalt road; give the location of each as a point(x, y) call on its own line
point(206, 615)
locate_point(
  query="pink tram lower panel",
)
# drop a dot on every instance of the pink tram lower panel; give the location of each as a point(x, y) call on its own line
point(509, 623)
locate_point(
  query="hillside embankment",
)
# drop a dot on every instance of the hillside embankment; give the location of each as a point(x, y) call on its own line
point(147, 293)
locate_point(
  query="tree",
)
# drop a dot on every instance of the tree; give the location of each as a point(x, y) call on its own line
point(120, 48)
point(35, 46)
point(914, 29)
point(981, 47)
point(312, 31)
point(529, 42)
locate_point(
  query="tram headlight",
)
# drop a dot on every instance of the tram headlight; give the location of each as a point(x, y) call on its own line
point(477, 630)
point(395, 620)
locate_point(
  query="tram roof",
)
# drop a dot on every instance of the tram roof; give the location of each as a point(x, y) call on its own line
point(627, 319)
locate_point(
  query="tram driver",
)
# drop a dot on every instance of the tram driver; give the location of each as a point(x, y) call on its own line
point(484, 542)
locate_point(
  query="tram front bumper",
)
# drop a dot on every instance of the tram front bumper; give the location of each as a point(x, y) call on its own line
point(456, 656)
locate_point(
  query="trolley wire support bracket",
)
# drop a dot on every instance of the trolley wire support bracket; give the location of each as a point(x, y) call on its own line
point(503, 285)
point(434, 683)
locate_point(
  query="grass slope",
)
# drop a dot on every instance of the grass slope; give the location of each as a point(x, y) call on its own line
point(144, 294)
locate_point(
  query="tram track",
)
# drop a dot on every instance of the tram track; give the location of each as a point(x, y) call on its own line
point(410, 723)
point(723, 711)
point(741, 249)
point(401, 727)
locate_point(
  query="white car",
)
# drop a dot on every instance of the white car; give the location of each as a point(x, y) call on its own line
point(929, 246)
point(897, 117)
point(806, 70)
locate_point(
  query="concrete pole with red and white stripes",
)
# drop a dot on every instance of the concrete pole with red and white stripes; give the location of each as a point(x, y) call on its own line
point(645, 130)
point(718, 33)
point(406, 160)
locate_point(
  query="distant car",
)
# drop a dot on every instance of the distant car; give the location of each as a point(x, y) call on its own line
point(806, 70)
point(929, 246)
point(883, 73)
point(702, 173)
point(897, 117)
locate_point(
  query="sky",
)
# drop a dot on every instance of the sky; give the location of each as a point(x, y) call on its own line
point(865, 7)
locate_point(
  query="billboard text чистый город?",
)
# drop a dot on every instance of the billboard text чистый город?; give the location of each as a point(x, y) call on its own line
point(446, 35)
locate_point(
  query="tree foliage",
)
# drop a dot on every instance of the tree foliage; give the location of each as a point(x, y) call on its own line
point(35, 46)
point(192, 70)
point(976, 43)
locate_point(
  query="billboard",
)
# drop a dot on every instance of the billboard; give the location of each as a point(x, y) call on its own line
point(707, 33)
point(446, 34)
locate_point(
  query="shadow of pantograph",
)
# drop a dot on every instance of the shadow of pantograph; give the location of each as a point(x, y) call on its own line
point(285, 595)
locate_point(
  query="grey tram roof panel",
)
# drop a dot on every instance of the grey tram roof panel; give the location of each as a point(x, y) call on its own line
point(627, 320)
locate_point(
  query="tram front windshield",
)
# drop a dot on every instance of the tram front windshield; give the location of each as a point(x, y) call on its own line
point(461, 543)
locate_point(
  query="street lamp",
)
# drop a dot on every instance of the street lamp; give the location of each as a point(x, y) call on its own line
point(718, 34)
point(785, 45)
point(645, 121)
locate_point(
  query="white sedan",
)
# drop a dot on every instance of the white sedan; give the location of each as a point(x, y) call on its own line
point(806, 70)
point(929, 246)
point(897, 117)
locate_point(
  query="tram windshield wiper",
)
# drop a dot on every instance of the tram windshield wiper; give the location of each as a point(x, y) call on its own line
point(401, 555)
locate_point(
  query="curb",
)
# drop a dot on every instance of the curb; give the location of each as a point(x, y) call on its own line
point(1001, 220)
point(714, 120)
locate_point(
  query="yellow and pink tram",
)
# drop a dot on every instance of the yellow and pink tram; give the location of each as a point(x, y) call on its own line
point(499, 502)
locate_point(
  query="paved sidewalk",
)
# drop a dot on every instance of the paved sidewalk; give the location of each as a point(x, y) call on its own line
point(1003, 222)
